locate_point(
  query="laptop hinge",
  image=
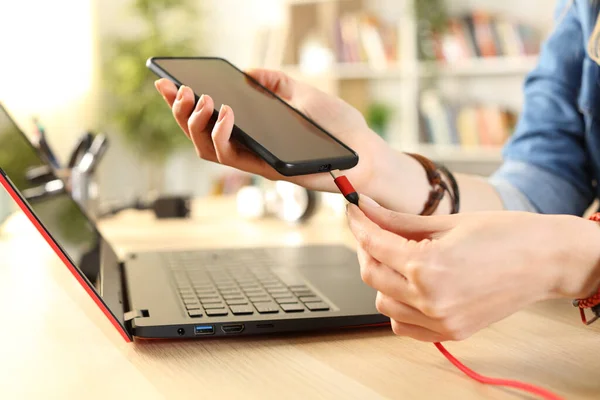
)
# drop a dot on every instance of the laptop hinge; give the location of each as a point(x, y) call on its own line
point(129, 315)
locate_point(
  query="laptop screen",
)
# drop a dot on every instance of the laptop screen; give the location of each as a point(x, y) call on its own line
point(59, 213)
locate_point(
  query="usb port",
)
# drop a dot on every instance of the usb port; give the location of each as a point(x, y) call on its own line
point(204, 330)
point(231, 329)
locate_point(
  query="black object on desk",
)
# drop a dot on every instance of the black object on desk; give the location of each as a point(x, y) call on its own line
point(172, 207)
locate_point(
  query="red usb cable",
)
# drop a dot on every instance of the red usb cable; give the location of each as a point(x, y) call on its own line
point(352, 196)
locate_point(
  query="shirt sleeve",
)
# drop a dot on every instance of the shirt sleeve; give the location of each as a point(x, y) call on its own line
point(545, 160)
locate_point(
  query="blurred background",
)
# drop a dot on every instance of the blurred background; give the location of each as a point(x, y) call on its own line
point(439, 77)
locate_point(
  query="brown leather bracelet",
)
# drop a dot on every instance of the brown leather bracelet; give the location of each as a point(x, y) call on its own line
point(438, 186)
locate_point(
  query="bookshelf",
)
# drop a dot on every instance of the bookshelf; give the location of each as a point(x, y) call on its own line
point(388, 69)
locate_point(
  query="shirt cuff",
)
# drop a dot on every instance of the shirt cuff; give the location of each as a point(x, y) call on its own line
point(526, 187)
point(512, 198)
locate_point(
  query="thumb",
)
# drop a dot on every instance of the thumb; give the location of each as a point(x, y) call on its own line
point(276, 81)
point(412, 227)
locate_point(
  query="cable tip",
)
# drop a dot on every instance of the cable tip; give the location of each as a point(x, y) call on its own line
point(353, 198)
point(335, 173)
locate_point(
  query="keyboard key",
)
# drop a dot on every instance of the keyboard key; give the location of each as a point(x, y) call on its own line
point(304, 293)
point(189, 297)
point(190, 301)
point(217, 312)
point(214, 300)
point(267, 308)
point(202, 288)
point(237, 302)
point(274, 285)
point(215, 306)
point(227, 282)
point(278, 290)
point(255, 293)
point(205, 298)
point(192, 307)
point(287, 300)
point(256, 299)
point(233, 296)
point(281, 295)
point(292, 307)
point(230, 291)
point(250, 286)
point(310, 299)
point(195, 313)
point(267, 280)
point(207, 293)
point(317, 306)
point(242, 310)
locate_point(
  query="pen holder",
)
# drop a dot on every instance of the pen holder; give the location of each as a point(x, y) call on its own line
point(84, 190)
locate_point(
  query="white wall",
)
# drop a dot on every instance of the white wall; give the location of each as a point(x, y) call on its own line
point(48, 65)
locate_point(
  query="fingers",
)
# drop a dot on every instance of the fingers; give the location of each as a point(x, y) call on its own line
point(385, 279)
point(183, 107)
point(412, 227)
point(384, 246)
point(404, 313)
point(199, 125)
point(416, 332)
point(229, 152)
point(222, 133)
point(167, 89)
point(276, 81)
point(196, 121)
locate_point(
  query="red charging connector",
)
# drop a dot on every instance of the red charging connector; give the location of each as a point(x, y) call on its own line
point(345, 187)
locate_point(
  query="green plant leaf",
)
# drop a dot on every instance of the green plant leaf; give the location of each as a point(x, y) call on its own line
point(131, 102)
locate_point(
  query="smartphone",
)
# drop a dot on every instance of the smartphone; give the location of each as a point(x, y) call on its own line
point(285, 138)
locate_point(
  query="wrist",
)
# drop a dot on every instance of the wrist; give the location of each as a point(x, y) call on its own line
point(420, 186)
point(578, 259)
point(399, 182)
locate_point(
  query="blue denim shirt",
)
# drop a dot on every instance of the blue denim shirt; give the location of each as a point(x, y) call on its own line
point(552, 162)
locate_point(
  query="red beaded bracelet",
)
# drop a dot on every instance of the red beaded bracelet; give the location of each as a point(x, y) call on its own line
point(593, 300)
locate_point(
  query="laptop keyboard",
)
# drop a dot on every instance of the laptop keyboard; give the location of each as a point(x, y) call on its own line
point(238, 282)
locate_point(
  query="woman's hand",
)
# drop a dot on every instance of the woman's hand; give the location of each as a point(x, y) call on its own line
point(340, 119)
point(446, 277)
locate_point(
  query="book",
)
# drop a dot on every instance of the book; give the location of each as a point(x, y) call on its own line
point(480, 34)
point(362, 37)
point(465, 125)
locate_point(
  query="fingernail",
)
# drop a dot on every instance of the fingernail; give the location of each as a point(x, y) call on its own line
point(180, 93)
point(222, 112)
point(200, 104)
point(367, 201)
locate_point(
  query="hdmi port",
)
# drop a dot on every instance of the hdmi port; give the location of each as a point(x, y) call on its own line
point(231, 329)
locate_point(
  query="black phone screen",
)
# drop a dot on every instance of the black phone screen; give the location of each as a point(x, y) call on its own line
point(277, 127)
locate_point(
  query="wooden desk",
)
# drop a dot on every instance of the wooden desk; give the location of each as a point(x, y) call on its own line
point(54, 343)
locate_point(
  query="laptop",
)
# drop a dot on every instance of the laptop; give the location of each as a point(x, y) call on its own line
point(195, 293)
